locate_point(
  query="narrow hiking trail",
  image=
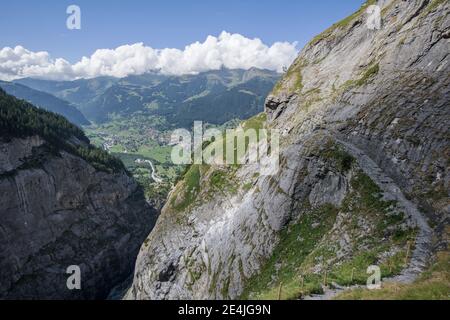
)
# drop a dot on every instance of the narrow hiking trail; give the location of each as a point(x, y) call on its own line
point(422, 246)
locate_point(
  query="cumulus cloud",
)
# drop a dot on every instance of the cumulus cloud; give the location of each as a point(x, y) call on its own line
point(227, 50)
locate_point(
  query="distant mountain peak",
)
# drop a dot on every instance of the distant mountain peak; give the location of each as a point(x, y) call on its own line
point(45, 101)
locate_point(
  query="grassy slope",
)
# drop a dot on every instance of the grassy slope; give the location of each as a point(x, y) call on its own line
point(213, 179)
point(434, 284)
point(311, 241)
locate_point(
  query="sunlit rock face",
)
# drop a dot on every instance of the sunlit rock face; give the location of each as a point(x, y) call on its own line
point(358, 109)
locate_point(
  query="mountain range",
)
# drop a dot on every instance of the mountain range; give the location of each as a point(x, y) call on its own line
point(215, 96)
point(46, 101)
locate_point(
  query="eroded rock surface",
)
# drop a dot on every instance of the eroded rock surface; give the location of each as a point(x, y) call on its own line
point(384, 92)
point(56, 210)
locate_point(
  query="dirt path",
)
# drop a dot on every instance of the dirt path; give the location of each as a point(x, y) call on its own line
point(422, 250)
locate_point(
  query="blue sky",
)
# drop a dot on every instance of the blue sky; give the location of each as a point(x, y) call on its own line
point(40, 25)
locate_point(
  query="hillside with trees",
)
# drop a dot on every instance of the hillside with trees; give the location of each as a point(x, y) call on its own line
point(19, 118)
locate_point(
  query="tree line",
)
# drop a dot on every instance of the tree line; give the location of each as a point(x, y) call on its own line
point(19, 118)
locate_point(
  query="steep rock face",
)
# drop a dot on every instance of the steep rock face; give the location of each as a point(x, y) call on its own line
point(353, 94)
point(387, 91)
point(57, 210)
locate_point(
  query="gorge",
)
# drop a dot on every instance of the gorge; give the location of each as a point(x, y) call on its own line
point(362, 181)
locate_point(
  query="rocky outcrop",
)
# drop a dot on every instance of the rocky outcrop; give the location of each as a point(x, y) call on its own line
point(57, 210)
point(382, 92)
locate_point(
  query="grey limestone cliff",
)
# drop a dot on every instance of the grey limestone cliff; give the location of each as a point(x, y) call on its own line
point(363, 173)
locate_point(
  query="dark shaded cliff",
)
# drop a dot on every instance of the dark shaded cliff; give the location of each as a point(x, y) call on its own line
point(63, 202)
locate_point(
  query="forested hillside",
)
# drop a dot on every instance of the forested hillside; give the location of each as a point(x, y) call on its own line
point(19, 118)
point(45, 101)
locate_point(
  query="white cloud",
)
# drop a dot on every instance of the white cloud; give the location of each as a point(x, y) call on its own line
point(227, 50)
